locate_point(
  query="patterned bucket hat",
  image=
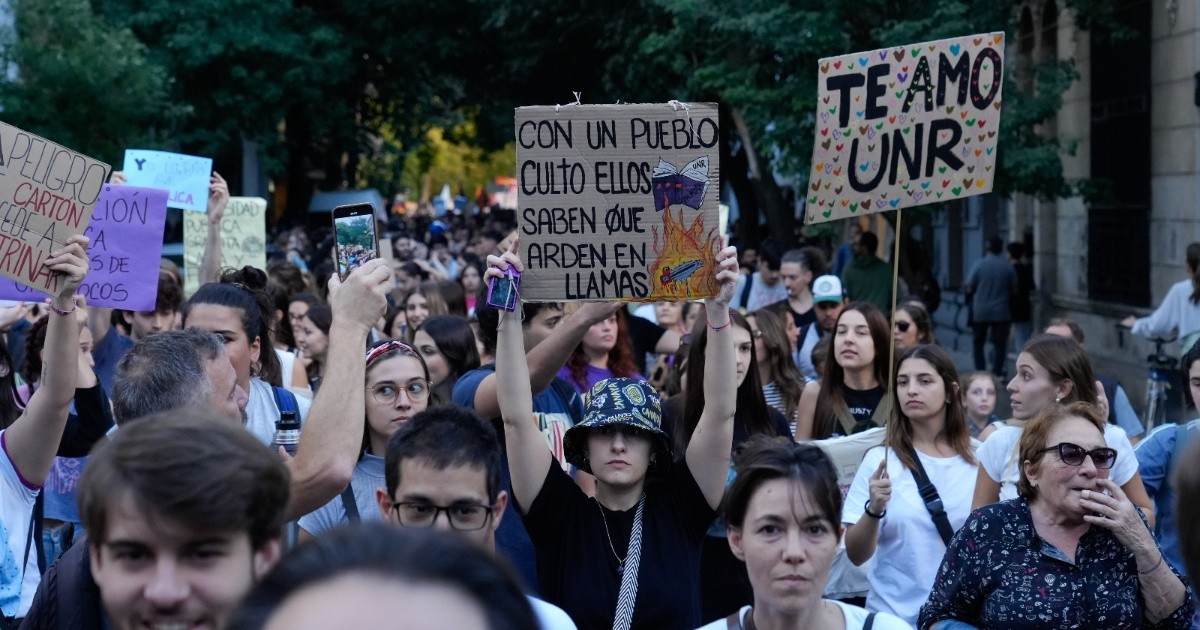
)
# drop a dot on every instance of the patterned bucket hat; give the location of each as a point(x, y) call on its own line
point(626, 401)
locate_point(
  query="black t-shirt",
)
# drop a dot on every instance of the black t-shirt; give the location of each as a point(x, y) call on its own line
point(801, 320)
point(862, 403)
point(577, 569)
point(643, 335)
point(672, 409)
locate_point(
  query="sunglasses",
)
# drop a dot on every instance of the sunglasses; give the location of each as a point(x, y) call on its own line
point(903, 326)
point(1073, 454)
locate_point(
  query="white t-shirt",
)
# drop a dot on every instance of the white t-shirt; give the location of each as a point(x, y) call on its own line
point(855, 618)
point(17, 586)
point(909, 550)
point(262, 413)
point(999, 457)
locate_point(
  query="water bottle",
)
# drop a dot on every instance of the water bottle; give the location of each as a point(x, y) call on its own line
point(287, 432)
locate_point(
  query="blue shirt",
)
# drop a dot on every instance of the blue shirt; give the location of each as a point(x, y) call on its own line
point(999, 573)
point(106, 354)
point(994, 282)
point(558, 408)
point(1154, 455)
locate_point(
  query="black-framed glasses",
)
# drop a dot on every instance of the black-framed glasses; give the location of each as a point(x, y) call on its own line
point(1073, 454)
point(466, 517)
point(903, 326)
point(386, 393)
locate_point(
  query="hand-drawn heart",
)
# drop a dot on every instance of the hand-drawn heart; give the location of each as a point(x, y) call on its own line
point(977, 40)
point(837, 64)
point(871, 133)
point(862, 61)
point(978, 152)
point(899, 94)
point(945, 183)
point(967, 182)
point(892, 119)
point(893, 203)
point(871, 148)
point(825, 117)
point(879, 125)
point(991, 134)
point(955, 48)
point(966, 141)
point(990, 149)
point(838, 191)
point(971, 122)
point(898, 54)
point(902, 76)
point(826, 143)
point(862, 131)
point(827, 213)
point(981, 123)
point(850, 66)
point(825, 100)
point(942, 170)
point(847, 131)
point(845, 202)
point(864, 166)
point(815, 186)
point(880, 203)
point(997, 39)
point(957, 191)
point(824, 68)
point(837, 171)
point(939, 195)
point(884, 195)
point(996, 106)
point(838, 148)
point(917, 195)
point(915, 52)
point(924, 185)
point(962, 115)
point(982, 137)
point(882, 55)
point(865, 204)
point(825, 131)
point(970, 169)
point(980, 184)
point(949, 110)
point(906, 130)
point(820, 168)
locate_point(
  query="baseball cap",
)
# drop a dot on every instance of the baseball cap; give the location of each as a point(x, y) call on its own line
point(827, 288)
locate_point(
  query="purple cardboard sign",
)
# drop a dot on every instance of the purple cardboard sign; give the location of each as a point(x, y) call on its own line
point(126, 244)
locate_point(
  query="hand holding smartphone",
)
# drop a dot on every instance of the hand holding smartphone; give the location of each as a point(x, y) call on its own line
point(355, 238)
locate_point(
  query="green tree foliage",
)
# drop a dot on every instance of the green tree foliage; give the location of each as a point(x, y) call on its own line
point(82, 82)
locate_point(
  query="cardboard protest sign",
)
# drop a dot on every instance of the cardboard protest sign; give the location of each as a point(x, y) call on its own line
point(243, 238)
point(126, 234)
point(618, 202)
point(906, 126)
point(47, 193)
point(185, 177)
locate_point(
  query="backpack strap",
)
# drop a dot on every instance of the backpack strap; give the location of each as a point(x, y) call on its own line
point(350, 504)
point(933, 502)
point(870, 622)
point(285, 400)
point(746, 291)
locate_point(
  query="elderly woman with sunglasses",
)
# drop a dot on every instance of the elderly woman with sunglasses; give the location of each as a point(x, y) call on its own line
point(397, 388)
point(1071, 552)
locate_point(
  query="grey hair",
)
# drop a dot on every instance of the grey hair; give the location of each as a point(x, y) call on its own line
point(163, 372)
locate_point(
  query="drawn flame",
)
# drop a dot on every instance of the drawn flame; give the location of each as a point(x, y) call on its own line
point(677, 246)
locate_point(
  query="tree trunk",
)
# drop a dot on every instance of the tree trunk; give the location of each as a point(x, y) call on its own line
point(780, 218)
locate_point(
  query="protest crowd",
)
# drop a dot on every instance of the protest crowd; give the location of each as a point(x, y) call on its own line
point(596, 414)
point(286, 446)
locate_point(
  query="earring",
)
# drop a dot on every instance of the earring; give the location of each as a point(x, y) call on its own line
point(1058, 399)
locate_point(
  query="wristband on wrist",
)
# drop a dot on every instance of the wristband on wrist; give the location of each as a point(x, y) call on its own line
point(1151, 569)
point(867, 510)
point(722, 326)
point(59, 311)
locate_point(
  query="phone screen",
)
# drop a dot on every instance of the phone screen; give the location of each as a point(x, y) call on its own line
point(354, 237)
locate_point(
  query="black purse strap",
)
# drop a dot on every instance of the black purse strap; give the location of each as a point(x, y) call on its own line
point(933, 502)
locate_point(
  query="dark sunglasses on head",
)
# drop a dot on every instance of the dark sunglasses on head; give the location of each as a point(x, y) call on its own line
point(1073, 454)
point(903, 326)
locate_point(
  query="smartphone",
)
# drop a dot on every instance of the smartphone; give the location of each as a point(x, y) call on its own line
point(503, 292)
point(355, 239)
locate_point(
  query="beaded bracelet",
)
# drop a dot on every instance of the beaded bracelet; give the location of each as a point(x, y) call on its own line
point(59, 311)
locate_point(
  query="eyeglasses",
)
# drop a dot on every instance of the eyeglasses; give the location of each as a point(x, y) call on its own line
point(465, 518)
point(903, 326)
point(387, 393)
point(1073, 454)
